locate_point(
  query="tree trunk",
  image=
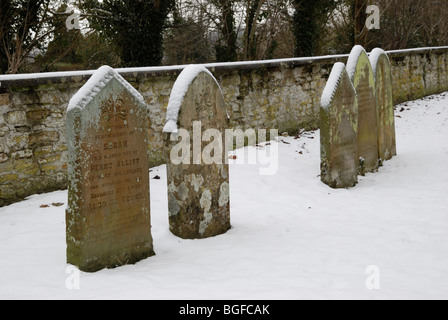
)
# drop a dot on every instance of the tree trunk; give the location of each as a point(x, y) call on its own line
point(227, 52)
point(359, 22)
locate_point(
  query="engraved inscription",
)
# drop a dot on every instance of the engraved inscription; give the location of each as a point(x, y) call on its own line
point(115, 174)
point(367, 119)
point(114, 110)
point(108, 215)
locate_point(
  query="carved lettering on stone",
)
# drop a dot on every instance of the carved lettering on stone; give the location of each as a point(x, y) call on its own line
point(361, 75)
point(108, 214)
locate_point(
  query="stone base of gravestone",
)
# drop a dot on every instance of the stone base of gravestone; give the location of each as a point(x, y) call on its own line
point(198, 183)
point(108, 214)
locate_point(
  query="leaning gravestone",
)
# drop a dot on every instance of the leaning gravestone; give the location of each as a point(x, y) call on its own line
point(198, 176)
point(108, 214)
point(338, 124)
point(385, 104)
point(361, 75)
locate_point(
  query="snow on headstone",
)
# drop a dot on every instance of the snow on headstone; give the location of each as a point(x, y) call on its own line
point(385, 105)
point(108, 212)
point(360, 72)
point(338, 122)
point(197, 168)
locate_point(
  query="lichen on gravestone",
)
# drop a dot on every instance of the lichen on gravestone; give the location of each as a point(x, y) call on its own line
point(385, 105)
point(338, 130)
point(108, 213)
point(198, 193)
point(361, 75)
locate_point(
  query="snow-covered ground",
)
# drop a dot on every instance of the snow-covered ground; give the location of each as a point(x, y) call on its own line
point(292, 237)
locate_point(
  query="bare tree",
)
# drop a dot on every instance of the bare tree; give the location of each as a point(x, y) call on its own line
point(187, 37)
point(234, 29)
point(25, 25)
point(403, 24)
point(434, 22)
point(266, 21)
point(411, 23)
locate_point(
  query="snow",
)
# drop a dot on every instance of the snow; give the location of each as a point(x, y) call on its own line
point(180, 88)
point(292, 237)
point(96, 82)
point(42, 75)
point(332, 84)
point(25, 76)
point(417, 49)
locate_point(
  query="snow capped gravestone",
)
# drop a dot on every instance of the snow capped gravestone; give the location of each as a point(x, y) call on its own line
point(108, 213)
point(385, 105)
point(338, 122)
point(361, 75)
point(197, 168)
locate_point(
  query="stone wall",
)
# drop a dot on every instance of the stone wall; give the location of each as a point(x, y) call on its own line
point(279, 94)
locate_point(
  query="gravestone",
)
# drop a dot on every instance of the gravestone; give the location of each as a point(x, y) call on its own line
point(108, 213)
point(361, 75)
point(385, 105)
point(338, 126)
point(198, 178)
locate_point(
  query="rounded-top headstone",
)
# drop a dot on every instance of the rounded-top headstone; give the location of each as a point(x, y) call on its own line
point(360, 72)
point(197, 168)
point(384, 98)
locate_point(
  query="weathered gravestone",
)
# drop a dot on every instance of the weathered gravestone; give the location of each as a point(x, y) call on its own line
point(338, 126)
point(361, 75)
point(108, 214)
point(198, 175)
point(385, 104)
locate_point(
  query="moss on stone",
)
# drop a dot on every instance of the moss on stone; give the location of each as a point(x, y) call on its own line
point(5, 178)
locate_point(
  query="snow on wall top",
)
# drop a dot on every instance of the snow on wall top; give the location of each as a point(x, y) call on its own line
point(332, 84)
point(43, 76)
point(180, 88)
point(99, 79)
point(374, 57)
